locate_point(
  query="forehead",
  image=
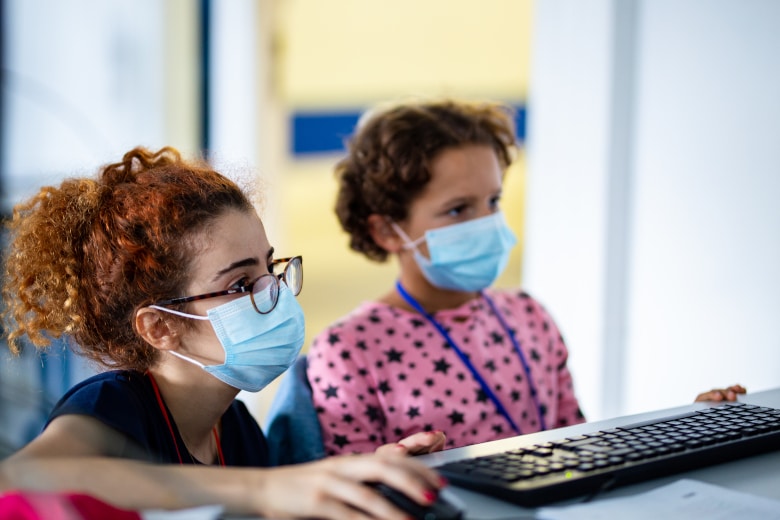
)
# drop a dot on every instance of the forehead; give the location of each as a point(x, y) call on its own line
point(468, 169)
point(235, 235)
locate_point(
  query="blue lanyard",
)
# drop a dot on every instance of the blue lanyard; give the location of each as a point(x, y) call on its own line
point(466, 361)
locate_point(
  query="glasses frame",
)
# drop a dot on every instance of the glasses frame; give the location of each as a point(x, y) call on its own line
point(249, 288)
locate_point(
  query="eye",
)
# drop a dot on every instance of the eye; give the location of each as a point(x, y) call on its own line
point(457, 210)
point(242, 283)
point(495, 202)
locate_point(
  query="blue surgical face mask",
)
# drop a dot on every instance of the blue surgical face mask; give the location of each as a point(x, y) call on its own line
point(258, 347)
point(467, 256)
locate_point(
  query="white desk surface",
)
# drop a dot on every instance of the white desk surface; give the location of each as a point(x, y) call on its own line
point(758, 475)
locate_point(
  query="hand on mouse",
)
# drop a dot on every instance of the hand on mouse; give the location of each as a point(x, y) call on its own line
point(416, 444)
point(337, 488)
point(721, 394)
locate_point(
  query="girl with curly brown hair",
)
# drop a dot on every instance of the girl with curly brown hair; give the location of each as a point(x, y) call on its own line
point(160, 270)
point(442, 350)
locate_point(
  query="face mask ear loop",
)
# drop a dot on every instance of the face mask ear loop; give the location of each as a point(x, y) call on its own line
point(408, 242)
point(178, 313)
point(186, 358)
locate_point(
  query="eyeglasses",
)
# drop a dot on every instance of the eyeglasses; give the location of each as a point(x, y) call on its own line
point(263, 291)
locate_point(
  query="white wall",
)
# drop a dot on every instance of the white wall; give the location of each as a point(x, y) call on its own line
point(653, 174)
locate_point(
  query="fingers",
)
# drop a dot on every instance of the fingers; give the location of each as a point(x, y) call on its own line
point(415, 480)
point(417, 444)
point(721, 394)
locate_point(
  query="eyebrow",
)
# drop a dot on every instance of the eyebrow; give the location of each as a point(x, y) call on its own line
point(244, 263)
point(235, 265)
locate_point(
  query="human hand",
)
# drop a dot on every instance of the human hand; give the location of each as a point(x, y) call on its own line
point(721, 394)
point(335, 488)
point(416, 444)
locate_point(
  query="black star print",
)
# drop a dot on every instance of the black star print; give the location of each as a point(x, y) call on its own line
point(416, 323)
point(393, 355)
point(515, 395)
point(455, 417)
point(374, 414)
point(438, 404)
point(345, 354)
point(496, 337)
point(413, 411)
point(390, 332)
point(347, 378)
point(490, 365)
point(441, 366)
point(331, 391)
point(418, 344)
point(361, 345)
point(347, 418)
point(429, 382)
point(498, 429)
point(481, 396)
point(535, 355)
point(340, 440)
point(333, 338)
point(374, 319)
point(416, 392)
point(398, 432)
point(384, 387)
point(402, 377)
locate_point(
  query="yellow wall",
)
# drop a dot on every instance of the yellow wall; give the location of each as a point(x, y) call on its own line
point(347, 52)
point(353, 53)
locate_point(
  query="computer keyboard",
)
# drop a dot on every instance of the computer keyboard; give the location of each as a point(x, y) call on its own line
point(575, 466)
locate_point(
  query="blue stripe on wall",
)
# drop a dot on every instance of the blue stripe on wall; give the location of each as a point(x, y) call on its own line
point(319, 132)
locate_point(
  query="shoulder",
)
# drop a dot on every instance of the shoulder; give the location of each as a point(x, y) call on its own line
point(107, 386)
point(515, 298)
point(107, 396)
point(367, 318)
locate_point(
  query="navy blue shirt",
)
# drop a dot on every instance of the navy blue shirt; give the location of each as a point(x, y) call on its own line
point(125, 401)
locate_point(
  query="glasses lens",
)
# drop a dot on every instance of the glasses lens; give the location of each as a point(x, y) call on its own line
point(293, 275)
point(265, 293)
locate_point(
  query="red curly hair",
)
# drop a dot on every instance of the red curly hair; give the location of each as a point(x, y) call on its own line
point(85, 256)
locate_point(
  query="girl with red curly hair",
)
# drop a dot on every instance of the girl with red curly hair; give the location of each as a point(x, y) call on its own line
point(160, 270)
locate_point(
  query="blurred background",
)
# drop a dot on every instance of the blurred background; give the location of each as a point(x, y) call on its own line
point(644, 194)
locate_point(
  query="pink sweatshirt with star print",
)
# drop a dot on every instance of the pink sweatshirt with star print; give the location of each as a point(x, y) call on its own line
point(382, 373)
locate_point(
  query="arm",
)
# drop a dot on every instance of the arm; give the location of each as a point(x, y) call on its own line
point(568, 406)
point(72, 455)
point(348, 424)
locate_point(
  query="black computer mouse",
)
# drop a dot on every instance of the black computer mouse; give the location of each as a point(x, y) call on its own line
point(439, 510)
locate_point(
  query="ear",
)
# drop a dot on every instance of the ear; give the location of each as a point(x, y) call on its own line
point(383, 233)
point(152, 326)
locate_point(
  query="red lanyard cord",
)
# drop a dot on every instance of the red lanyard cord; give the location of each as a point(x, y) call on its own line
point(161, 404)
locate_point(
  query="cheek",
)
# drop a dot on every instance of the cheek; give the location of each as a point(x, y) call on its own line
point(202, 341)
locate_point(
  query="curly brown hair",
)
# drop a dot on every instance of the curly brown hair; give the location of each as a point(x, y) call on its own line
point(84, 256)
point(388, 158)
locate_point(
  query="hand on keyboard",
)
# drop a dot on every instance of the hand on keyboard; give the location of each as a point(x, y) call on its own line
point(721, 394)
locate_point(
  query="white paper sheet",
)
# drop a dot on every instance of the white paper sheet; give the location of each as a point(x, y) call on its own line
point(196, 513)
point(683, 499)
